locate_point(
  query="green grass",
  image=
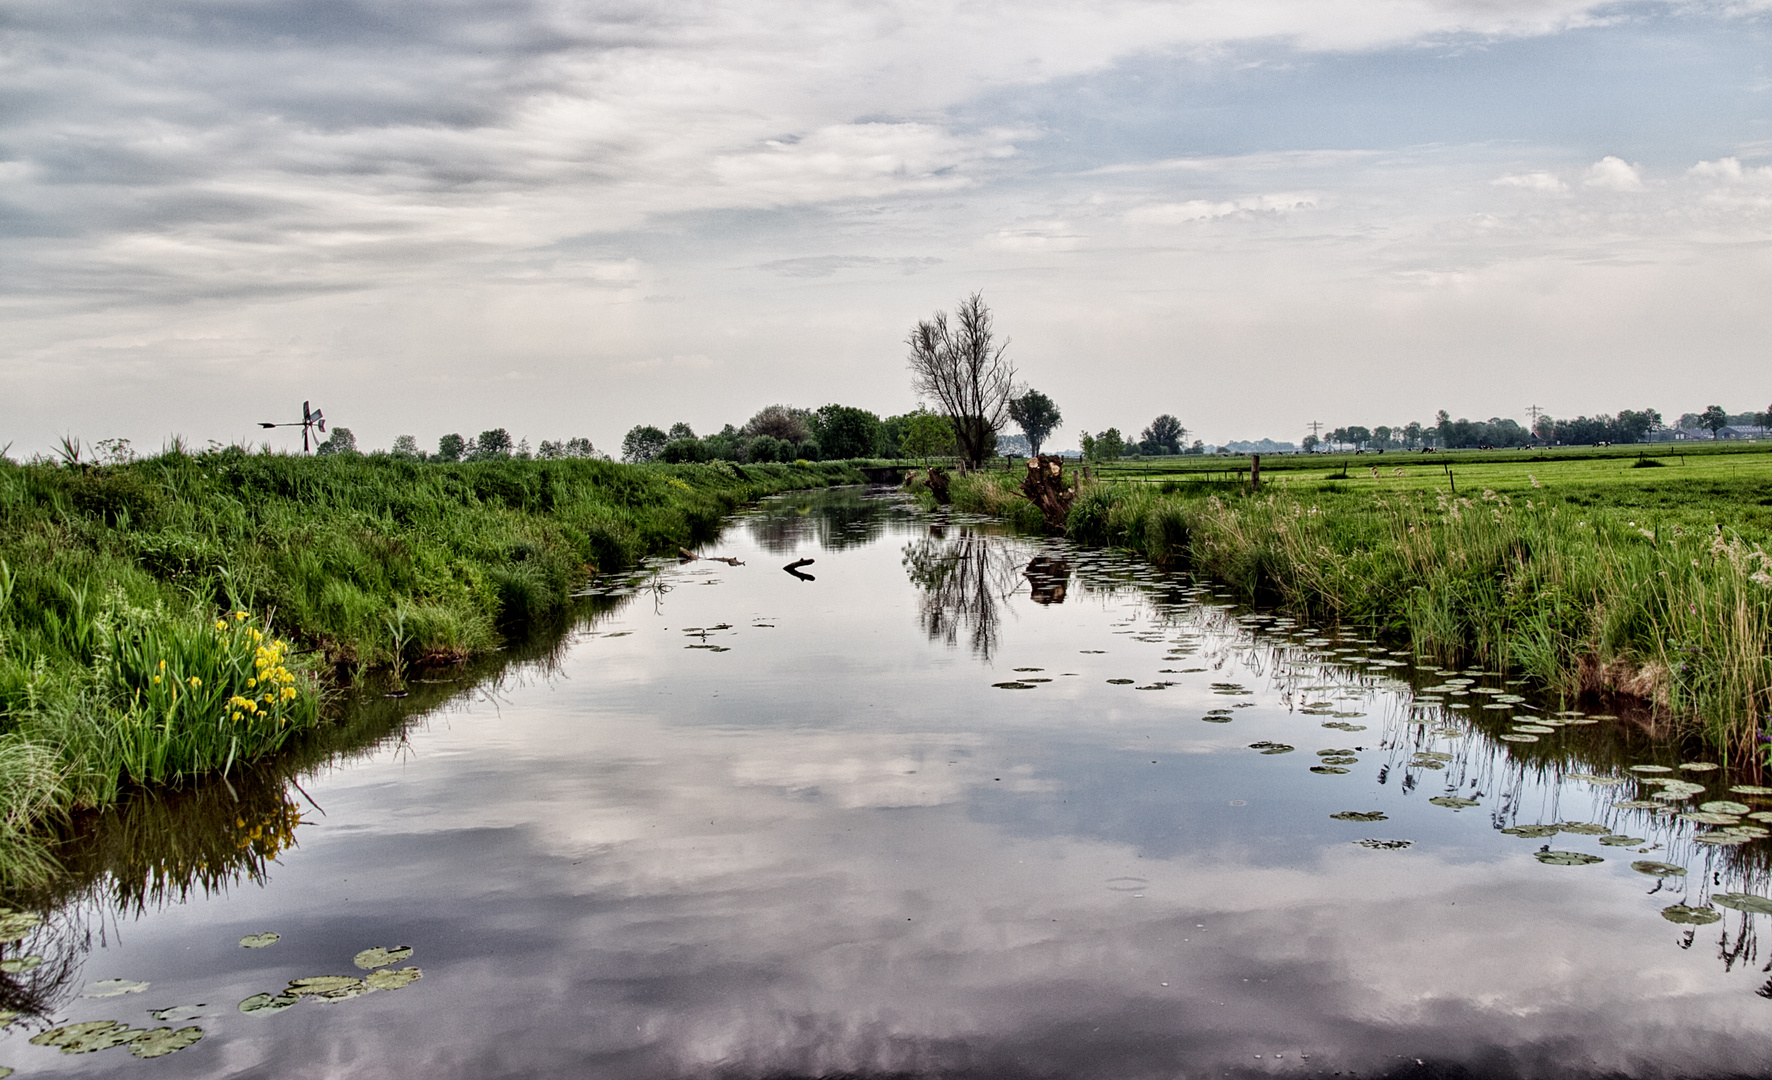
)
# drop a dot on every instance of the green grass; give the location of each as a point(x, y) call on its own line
point(147, 610)
point(1585, 574)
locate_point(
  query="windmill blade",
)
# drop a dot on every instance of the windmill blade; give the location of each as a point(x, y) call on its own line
point(306, 415)
point(261, 423)
point(322, 425)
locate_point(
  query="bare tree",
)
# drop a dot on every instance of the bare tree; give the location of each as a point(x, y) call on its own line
point(964, 371)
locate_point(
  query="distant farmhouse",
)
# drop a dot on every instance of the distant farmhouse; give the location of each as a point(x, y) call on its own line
point(1737, 432)
point(1261, 446)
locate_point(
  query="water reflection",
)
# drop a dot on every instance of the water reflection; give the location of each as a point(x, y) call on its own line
point(965, 575)
point(831, 846)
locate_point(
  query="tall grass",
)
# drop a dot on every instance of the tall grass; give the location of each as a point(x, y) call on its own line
point(1579, 598)
point(174, 616)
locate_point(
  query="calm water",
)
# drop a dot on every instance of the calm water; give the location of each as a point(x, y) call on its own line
point(743, 824)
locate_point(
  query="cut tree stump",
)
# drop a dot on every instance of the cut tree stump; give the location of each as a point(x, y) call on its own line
point(1045, 488)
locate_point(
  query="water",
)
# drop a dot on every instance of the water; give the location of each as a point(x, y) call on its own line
point(739, 823)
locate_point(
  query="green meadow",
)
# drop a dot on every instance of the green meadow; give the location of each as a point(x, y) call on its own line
point(1585, 572)
point(187, 613)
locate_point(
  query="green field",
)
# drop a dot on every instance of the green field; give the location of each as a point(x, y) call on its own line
point(1581, 570)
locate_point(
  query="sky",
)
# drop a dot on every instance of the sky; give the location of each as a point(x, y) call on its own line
point(566, 218)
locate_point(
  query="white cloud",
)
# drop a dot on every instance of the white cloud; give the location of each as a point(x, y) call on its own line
point(1543, 182)
point(1613, 174)
point(1729, 170)
point(1177, 213)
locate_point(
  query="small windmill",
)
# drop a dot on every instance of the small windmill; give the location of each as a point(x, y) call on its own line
point(311, 419)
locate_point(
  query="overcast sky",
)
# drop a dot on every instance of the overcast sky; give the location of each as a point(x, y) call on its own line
point(566, 217)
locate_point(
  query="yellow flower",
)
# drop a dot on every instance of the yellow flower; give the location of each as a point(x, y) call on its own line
point(156, 680)
point(239, 616)
point(162, 665)
point(195, 682)
point(220, 625)
point(251, 682)
point(267, 699)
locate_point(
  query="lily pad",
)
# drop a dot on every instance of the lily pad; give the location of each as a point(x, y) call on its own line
point(1360, 815)
point(1638, 804)
point(1583, 828)
point(1271, 747)
point(1516, 737)
point(1121, 682)
point(1702, 818)
point(1741, 901)
point(1690, 916)
point(1676, 788)
point(1533, 832)
point(1699, 766)
point(1535, 729)
point(177, 1013)
point(1385, 845)
point(323, 985)
point(16, 924)
point(1650, 769)
point(1432, 755)
point(1658, 869)
point(1453, 802)
point(108, 988)
point(1597, 781)
point(86, 1037)
point(1013, 685)
point(394, 978)
point(1724, 838)
point(1567, 858)
point(1328, 770)
point(162, 1041)
point(264, 1004)
point(1217, 718)
point(1754, 831)
point(1341, 760)
point(1724, 806)
point(1751, 789)
point(379, 957)
point(1623, 841)
point(1343, 725)
point(1426, 763)
point(20, 964)
point(1760, 815)
point(259, 941)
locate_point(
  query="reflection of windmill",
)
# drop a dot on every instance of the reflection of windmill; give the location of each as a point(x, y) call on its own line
point(310, 420)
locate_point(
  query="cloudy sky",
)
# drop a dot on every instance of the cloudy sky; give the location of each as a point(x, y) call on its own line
point(566, 217)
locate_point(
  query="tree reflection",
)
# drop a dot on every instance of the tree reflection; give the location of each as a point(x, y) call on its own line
point(964, 578)
point(835, 520)
point(1048, 579)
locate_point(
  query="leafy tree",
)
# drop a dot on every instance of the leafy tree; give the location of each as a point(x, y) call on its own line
point(1087, 442)
point(341, 441)
point(927, 435)
point(679, 451)
point(406, 446)
point(1714, 418)
point(962, 369)
point(1310, 444)
point(1110, 445)
point(680, 430)
point(451, 447)
point(846, 432)
point(1381, 436)
point(643, 443)
point(492, 444)
point(1036, 416)
point(1766, 417)
point(781, 422)
point(1163, 436)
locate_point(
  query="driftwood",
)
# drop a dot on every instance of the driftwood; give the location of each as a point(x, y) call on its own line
point(1044, 486)
point(685, 555)
point(794, 569)
point(938, 485)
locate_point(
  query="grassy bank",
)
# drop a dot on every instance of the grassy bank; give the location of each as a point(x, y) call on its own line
point(173, 616)
point(1584, 587)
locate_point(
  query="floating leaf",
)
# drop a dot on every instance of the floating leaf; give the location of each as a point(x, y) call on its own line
point(1658, 869)
point(177, 1013)
point(1724, 838)
point(1013, 685)
point(1432, 755)
point(1533, 832)
point(1426, 763)
point(162, 1041)
point(1584, 828)
point(1360, 815)
point(1622, 841)
point(1598, 781)
point(86, 1037)
point(1328, 770)
point(1760, 815)
point(20, 964)
point(107, 988)
point(394, 978)
point(1690, 916)
point(1121, 682)
point(379, 957)
point(1639, 804)
point(1030, 669)
point(1385, 845)
point(1724, 806)
point(259, 1004)
point(1701, 818)
point(1754, 831)
point(1515, 737)
point(16, 924)
point(1699, 766)
point(1650, 769)
point(1271, 747)
point(1751, 789)
point(1334, 753)
point(259, 941)
point(1217, 718)
point(1741, 901)
point(318, 985)
point(1567, 858)
point(1535, 729)
point(1453, 802)
point(1340, 760)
